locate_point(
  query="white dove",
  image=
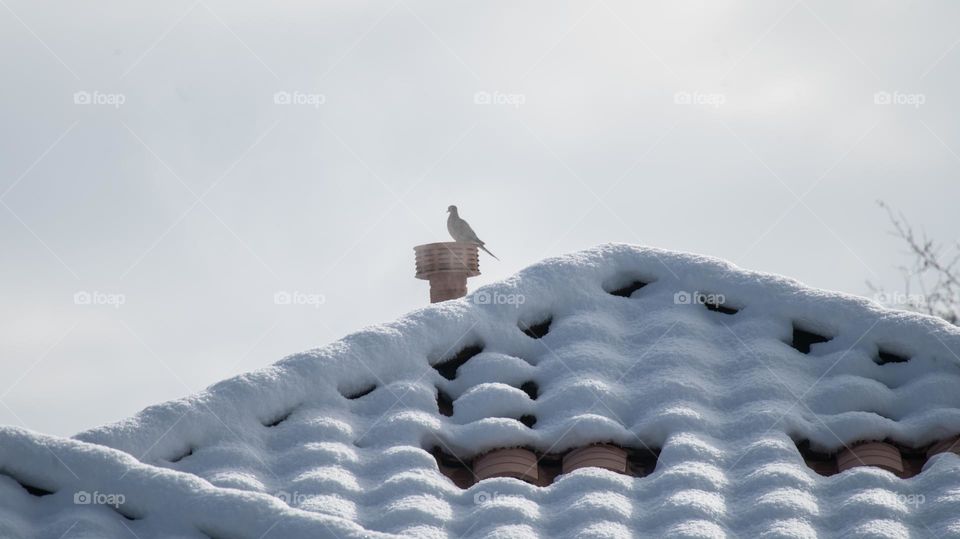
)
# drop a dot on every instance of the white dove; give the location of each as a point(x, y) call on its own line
point(461, 231)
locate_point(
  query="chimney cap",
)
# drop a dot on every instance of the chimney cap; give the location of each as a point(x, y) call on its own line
point(447, 257)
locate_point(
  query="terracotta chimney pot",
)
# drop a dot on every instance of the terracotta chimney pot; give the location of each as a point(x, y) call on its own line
point(879, 454)
point(951, 445)
point(606, 456)
point(517, 463)
point(447, 265)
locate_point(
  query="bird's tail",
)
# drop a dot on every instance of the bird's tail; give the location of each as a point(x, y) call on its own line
point(488, 252)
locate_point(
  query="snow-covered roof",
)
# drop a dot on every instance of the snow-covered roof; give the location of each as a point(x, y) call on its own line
point(294, 450)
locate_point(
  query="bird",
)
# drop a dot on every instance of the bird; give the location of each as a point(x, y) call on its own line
point(460, 230)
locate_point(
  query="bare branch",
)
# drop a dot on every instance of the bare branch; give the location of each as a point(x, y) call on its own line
point(935, 275)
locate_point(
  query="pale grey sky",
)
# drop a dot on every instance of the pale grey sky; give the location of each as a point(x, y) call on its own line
point(184, 186)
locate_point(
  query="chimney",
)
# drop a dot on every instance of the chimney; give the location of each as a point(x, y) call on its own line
point(447, 265)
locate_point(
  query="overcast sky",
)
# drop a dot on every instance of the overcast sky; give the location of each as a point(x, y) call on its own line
point(148, 160)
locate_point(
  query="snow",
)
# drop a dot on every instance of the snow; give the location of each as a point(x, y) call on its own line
point(724, 396)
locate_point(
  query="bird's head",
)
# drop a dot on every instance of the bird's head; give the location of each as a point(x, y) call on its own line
point(452, 209)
